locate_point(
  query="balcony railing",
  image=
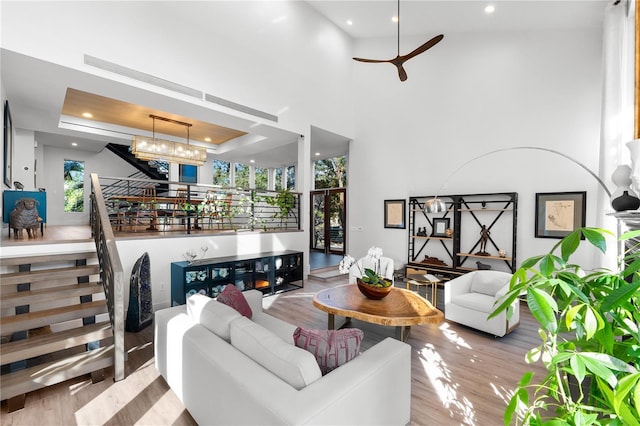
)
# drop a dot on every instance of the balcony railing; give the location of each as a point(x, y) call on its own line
point(142, 204)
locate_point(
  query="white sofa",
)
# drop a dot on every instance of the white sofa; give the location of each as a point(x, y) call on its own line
point(470, 298)
point(219, 384)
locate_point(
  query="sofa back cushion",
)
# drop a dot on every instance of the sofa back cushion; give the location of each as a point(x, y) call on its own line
point(213, 315)
point(488, 282)
point(295, 366)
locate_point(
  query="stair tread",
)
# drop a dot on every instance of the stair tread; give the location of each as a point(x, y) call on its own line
point(45, 258)
point(47, 374)
point(30, 320)
point(53, 293)
point(14, 278)
point(52, 342)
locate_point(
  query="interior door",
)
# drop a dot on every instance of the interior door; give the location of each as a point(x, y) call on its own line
point(328, 220)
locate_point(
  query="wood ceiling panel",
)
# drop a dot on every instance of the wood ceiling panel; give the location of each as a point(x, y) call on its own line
point(113, 111)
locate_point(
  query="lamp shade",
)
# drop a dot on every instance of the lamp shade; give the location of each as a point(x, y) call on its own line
point(435, 205)
point(146, 148)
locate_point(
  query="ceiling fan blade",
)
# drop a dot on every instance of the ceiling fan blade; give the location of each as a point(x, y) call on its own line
point(401, 72)
point(376, 61)
point(424, 47)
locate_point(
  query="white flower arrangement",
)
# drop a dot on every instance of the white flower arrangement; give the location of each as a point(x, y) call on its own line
point(370, 276)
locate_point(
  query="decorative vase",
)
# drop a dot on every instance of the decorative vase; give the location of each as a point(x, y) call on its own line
point(373, 292)
point(623, 197)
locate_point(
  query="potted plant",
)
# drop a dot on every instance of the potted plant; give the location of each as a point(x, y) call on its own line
point(285, 201)
point(371, 282)
point(590, 336)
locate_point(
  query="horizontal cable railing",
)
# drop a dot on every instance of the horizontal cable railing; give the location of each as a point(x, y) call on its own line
point(201, 206)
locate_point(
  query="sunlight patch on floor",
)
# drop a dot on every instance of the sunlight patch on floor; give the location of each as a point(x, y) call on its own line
point(107, 404)
point(167, 417)
point(78, 387)
point(446, 388)
point(453, 336)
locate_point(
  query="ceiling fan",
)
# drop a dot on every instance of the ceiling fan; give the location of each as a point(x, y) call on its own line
point(399, 60)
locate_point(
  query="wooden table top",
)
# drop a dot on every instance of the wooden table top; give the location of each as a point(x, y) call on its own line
point(400, 308)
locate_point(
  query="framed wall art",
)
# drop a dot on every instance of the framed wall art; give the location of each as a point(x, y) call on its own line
point(8, 144)
point(440, 226)
point(559, 213)
point(395, 213)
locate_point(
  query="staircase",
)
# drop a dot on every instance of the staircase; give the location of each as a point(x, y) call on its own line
point(54, 323)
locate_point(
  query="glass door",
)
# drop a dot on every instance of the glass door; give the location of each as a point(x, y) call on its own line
point(328, 220)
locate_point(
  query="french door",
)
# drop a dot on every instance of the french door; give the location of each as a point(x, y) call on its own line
point(328, 220)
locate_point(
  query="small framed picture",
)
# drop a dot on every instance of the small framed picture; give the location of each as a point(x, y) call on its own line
point(440, 226)
point(394, 214)
point(559, 213)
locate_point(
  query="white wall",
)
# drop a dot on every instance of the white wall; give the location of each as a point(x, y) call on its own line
point(469, 95)
point(166, 250)
point(103, 163)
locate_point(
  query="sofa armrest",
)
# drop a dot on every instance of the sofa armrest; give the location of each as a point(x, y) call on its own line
point(254, 298)
point(457, 286)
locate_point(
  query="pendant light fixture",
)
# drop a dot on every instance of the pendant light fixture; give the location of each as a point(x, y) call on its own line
point(146, 148)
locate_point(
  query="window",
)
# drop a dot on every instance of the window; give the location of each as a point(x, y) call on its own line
point(73, 186)
point(261, 178)
point(221, 173)
point(242, 175)
point(277, 177)
point(331, 173)
point(291, 177)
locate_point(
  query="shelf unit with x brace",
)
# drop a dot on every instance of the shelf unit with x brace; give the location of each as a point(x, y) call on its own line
point(448, 243)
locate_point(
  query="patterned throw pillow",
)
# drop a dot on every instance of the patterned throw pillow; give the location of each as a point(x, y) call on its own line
point(332, 348)
point(233, 297)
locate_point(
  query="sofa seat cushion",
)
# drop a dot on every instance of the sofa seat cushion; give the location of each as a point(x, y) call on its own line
point(295, 366)
point(476, 301)
point(211, 314)
point(233, 297)
point(331, 348)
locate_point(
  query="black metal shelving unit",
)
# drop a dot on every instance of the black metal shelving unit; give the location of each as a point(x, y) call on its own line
point(464, 214)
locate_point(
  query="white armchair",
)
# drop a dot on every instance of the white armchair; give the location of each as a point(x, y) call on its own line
point(386, 268)
point(470, 298)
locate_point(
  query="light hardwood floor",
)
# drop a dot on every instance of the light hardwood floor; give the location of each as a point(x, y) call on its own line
point(459, 375)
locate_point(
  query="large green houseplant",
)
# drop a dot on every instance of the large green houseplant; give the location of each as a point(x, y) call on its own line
point(590, 338)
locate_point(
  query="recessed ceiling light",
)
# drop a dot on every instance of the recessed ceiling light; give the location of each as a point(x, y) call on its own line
point(74, 143)
point(394, 19)
point(317, 154)
point(207, 139)
point(87, 115)
point(349, 22)
point(490, 9)
point(252, 161)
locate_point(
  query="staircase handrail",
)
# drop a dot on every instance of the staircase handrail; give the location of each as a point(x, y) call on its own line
point(111, 273)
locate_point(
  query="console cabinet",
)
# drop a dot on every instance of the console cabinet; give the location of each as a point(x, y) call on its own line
point(450, 244)
point(271, 273)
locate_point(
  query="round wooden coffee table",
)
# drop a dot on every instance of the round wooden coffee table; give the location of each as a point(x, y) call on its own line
point(401, 308)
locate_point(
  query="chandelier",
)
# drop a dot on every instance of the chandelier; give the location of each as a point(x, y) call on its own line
point(146, 148)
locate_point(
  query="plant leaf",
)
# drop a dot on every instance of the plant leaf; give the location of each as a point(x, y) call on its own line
point(620, 295)
point(578, 368)
point(596, 237)
point(569, 245)
point(547, 265)
point(543, 308)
